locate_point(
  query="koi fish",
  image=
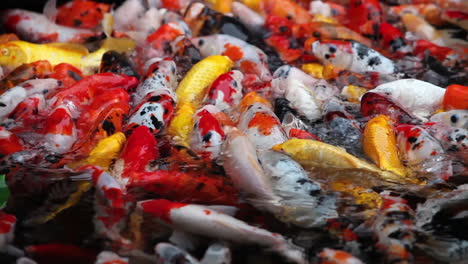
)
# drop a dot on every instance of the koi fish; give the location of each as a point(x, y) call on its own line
point(155, 111)
point(207, 135)
point(369, 19)
point(289, 197)
point(71, 14)
point(35, 27)
point(455, 118)
point(191, 91)
point(12, 97)
point(262, 126)
point(60, 131)
point(108, 257)
point(9, 142)
point(379, 143)
point(442, 237)
point(455, 97)
point(332, 256)
point(418, 98)
point(394, 229)
point(305, 93)
point(139, 150)
point(16, 53)
point(202, 220)
point(421, 151)
point(316, 154)
point(352, 56)
point(249, 59)
point(226, 91)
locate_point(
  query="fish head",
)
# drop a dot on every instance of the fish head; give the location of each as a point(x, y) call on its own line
point(12, 55)
point(336, 52)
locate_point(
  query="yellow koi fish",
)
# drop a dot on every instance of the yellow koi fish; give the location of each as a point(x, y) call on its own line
point(379, 143)
point(16, 53)
point(191, 92)
point(315, 154)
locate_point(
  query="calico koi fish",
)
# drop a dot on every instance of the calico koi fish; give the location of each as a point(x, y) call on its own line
point(305, 93)
point(352, 56)
point(394, 229)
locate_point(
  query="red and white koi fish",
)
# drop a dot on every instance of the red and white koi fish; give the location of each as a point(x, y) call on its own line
point(305, 93)
point(418, 98)
point(207, 135)
point(352, 56)
point(9, 142)
point(226, 91)
point(140, 149)
point(394, 229)
point(262, 126)
point(10, 99)
point(332, 256)
point(202, 220)
point(250, 60)
point(60, 132)
point(35, 27)
point(108, 257)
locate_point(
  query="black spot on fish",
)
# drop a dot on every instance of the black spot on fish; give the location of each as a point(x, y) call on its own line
point(207, 137)
point(374, 61)
point(200, 186)
point(294, 44)
point(453, 148)
point(2, 104)
point(459, 138)
point(362, 51)
point(316, 34)
point(53, 158)
point(283, 29)
point(332, 49)
point(155, 98)
point(234, 83)
point(156, 123)
point(108, 127)
point(397, 43)
point(327, 56)
point(314, 192)
point(73, 75)
point(454, 118)
point(302, 181)
point(77, 22)
point(415, 146)
point(201, 42)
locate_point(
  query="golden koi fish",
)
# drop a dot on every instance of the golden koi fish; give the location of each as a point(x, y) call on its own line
point(15, 53)
point(315, 154)
point(379, 143)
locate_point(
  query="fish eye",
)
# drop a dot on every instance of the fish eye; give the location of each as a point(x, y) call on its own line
point(5, 52)
point(454, 118)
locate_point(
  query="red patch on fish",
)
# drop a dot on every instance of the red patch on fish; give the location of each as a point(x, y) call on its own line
point(12, 21)
point(301, 134)
point(457, 15)
point(207, 212)
point(222, 84)
point(161, 208)
point(59, 122)
point(264, 122)
point(208, 123)
point(235, 53)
